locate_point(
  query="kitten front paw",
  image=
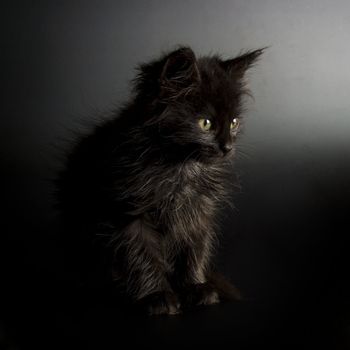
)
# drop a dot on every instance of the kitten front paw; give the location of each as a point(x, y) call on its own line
point(201, 294)
point(162, 303)
point(209, 297)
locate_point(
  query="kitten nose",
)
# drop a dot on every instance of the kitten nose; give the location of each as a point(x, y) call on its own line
point(226, 147)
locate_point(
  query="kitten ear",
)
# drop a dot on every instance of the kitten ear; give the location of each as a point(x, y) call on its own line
point(180, 72)
point(239, 65)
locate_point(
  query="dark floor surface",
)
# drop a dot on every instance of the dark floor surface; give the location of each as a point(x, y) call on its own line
point(286, 247)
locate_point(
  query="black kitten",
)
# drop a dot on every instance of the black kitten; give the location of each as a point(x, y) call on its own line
point(152, 179)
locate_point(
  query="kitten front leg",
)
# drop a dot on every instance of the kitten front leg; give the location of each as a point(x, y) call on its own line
point(198, 291)
point(203, 286)
point(145, 269)
point(191, 277)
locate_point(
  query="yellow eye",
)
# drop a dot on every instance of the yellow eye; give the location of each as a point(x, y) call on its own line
point(234, 124)
point(205, 124)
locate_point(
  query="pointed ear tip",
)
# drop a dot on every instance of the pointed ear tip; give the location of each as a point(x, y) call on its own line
point(185, 51)
point(182, 50)
point(260, 51)
point(253, 56)
point(257, 53)
point(249, 55)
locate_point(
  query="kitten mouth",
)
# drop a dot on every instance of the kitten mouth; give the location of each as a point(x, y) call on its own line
point(212, 156)
point(227, 154)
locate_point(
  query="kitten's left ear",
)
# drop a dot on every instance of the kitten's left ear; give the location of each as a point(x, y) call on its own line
point(239, 65)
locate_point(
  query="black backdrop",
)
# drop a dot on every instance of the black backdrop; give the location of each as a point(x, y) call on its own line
point(286, 245)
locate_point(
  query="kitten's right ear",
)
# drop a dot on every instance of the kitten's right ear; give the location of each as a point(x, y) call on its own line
point(180, 73)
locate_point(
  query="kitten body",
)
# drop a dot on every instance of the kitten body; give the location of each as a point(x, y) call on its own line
point(151, 181)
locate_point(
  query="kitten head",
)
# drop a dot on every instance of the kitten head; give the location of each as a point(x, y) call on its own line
point(194, 103)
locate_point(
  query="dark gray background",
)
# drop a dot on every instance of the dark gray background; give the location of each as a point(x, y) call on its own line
point(63, 60)
point(287, 243)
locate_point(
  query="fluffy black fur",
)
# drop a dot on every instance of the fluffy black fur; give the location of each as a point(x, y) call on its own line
point(147, 185)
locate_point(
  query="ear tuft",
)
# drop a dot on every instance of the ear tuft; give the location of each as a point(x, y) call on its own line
point(239, 65)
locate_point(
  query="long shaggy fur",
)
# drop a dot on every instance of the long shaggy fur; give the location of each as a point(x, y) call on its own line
point(147, 186)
